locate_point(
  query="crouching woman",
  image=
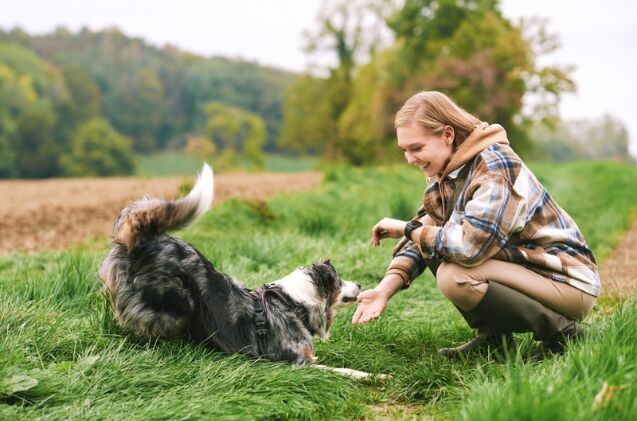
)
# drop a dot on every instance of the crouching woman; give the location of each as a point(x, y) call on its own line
point(501, 249)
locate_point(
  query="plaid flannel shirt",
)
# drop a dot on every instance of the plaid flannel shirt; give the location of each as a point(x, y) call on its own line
point(504, 213)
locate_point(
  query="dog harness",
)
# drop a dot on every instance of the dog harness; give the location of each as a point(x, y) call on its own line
point(260, 321)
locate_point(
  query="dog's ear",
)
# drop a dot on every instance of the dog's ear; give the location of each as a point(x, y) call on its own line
point(325, 278)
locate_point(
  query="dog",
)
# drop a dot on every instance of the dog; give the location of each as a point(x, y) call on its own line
point(160, 286)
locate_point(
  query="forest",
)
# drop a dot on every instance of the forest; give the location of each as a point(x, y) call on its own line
point(89, 102)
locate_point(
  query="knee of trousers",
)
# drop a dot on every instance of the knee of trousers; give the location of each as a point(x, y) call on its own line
point(455, 284)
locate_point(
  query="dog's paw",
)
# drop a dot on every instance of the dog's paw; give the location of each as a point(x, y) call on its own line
point(355, 374)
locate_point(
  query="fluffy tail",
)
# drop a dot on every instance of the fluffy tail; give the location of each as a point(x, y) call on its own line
point(155, 216)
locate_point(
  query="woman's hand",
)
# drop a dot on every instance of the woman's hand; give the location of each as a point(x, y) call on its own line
point(387, 228)
point(371, 304)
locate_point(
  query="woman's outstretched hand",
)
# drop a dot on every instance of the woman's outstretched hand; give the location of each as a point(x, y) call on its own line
point(387, 228)
point(371, 304)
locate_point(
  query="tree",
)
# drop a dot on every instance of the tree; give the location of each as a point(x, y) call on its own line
point(98, 150)
point(30, 92)
point(308, 125)
point(466, 49)
point(155, 95)
point(12, 97)
point(135, 107)
point(33, 143)
point(351, 31)
point(235, 131)
point(486, 63)
point(7, 158)
point(200, 147)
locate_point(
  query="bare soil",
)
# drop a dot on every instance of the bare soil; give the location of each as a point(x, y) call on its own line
point(619, 271)
point(54, 214)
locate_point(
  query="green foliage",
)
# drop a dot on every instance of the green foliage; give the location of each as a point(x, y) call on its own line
point(466, 49)
point(240, 84)
point(98, 150)
point(235, 131)
point(34, 144)
point(40, 109)
point(135, 106)
point(307, 124)
point(154, 96)
point(314, 106)
point(62, 356)
point(30, 94)
point(7, 159)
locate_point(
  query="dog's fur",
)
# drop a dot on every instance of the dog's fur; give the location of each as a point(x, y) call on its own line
point(162, 287)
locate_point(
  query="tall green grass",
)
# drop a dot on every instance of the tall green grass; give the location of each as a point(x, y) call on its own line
point(61, 355)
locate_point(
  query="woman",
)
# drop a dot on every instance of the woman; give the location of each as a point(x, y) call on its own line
point(501, 249)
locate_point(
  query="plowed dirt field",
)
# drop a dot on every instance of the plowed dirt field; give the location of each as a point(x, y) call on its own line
point(53, 214)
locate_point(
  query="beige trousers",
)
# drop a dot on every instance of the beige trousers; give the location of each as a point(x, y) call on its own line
point(465, 286)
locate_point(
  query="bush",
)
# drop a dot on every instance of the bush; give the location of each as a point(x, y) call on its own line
point(98, 150)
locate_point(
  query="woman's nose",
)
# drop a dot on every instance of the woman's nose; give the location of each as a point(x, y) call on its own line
point(410, 158)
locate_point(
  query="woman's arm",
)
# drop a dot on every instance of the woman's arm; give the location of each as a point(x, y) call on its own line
point(372, 303)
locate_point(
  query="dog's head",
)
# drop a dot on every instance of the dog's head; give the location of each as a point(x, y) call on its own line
point(320, 291)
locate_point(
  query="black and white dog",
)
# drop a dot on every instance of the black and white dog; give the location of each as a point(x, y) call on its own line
point(162, 287)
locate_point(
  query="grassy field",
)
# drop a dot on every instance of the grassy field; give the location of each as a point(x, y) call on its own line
point(176, 163)
point(62, 357)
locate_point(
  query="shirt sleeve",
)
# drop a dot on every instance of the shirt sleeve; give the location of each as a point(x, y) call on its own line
point(408, 262)
point(492, 213)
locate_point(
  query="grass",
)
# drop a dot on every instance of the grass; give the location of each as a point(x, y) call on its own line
point(177, 163)
point(62, 357)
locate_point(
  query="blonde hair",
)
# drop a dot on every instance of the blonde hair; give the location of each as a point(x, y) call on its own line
point(435, 110)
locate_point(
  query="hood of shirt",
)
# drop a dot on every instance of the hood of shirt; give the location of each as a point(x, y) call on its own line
point(480, 138)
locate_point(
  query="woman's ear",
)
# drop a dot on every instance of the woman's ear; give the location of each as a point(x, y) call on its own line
point(449, 134)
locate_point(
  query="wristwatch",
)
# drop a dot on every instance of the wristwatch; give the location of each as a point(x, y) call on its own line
point(411, 226)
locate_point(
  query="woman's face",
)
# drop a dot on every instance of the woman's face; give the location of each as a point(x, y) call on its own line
point(428, 151)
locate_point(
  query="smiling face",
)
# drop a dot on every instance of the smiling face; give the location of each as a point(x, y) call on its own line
point(430, 152)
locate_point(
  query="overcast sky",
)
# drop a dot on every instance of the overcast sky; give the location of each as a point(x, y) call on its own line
point(599, 38)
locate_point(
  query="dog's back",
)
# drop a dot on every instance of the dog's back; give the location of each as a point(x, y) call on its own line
point(151, 278)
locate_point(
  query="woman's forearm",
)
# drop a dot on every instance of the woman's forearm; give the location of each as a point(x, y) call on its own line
point(390, 284)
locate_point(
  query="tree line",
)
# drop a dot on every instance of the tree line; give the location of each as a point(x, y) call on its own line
point(62, 92)
point(467, 49)
point(82, 103)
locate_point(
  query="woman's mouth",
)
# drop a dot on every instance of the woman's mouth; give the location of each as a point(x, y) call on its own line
point(424, 167)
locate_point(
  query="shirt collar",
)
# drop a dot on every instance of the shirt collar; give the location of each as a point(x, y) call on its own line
point(451, 176)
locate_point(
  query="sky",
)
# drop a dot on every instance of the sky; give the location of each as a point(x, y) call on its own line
point(599, 38)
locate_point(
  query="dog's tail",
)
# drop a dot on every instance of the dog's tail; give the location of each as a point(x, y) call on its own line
point(155, 216)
